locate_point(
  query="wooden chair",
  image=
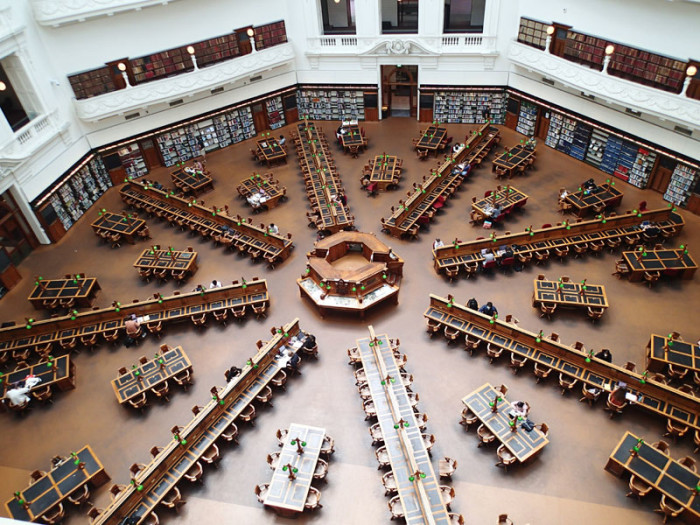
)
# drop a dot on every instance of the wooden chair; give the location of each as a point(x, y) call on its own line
point(638, 487)
point(428, 441)
point(493, 352)
point(248, 414)
point(676, 372)
point(451, 334)
point(541, 257)
point(566, 383)
point(80, 496)
point(689, 463)
point(517, 362)
point(621, 269)
point(389, 482)
point(36, 476)
point(173, 499)
point(594, 313)
point(221, 316)
point(230, 433)
point(238, 313)
point(486, 437)
point(43, 394)
point(161, 391)
point(55, 515)
point(396, 507)
point(313, 499)
point(541, 372)
point(327, 446)
point(273, 460)
point(114, 491)
point(433, 327)
point(613, 406)
point(265, 396)
point(261, 491)
point(139, 402)
point(669, 508)
point(590, 393)
point(468, 418)
point(279, 380)
point(675, 430)
point(447, 467)
point(199, 321)
point(183, 379)
point(211, 455)
point(194, 473)
point(505, 457)
point(651, 277)
point(471, 344)
point(321, 469)
point(448, 495)
point(547, 309)
point(260, 310)
point(375, 431)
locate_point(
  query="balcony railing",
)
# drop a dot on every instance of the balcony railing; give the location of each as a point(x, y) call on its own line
point(59, 12)
point(339, 45)
point(29, 139)
point(187, 84)
point(658, 103)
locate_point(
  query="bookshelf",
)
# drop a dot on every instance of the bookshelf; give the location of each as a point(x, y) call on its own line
point(681, 185)
point(647, 68)
point(585, 49)
point(270, 35)
point(73, 196)
point(275, 112)
point(216, 49)
point(532, 33)
point(330, 104)
point(160, 65)
point(132, 160)
point(641, 168)
point(527, 119)
point(92, 83)
point(469, 107)
point(181, 144)
point(596, 147)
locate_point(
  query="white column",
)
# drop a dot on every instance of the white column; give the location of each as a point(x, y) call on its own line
point(28, 214)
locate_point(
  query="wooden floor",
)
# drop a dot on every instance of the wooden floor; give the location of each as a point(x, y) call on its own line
point(566, 484)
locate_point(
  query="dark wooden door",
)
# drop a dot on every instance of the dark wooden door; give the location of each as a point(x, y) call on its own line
point(542, 125)
point(150, 153)
point(660, 179)
point(260, 117)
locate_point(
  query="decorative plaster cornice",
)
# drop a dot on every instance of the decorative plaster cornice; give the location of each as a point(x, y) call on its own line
point(186, 84)
point(59, 12)
point(381, 46)
point(648, 100)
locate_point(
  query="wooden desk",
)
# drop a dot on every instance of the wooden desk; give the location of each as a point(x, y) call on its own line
point(60, 374)
point(383, 171)
point(286, 496)
point(192, 181)
point(522, 444)
point(166, 309)
point(661, 352)
point(664, 400)
point(82, 291)
point(668, 262)
point(660, 471)
point(150, 374)
point(271, 150)
point(316, 162)
point(167, 260)
point(432, 138)
point(352, 136)
point(481, 141)
point(527, 242)
point(123, 224)
point(168, 467)
point(269, 191)
point(585, 202)
point(420, 497)
point(569, 294)
point(183, 212)
point(506, 198)
point(53, 488)
point(511, 161)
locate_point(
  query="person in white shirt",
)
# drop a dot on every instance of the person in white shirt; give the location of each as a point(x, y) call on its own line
point(456, 147)
point(437, 244)
point(281, 140)
point(273, 229)
point(488, 256)
point(519, 409)
point(18, 396)
point(215, 284)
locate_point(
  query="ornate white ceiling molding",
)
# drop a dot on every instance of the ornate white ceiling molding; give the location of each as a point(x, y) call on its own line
point(9, 26)
point(382, 46)
point(641, 98)
point(187, 84)
point(60, 12)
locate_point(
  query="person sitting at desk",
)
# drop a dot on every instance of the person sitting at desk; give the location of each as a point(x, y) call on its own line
point(215, 284)
point(273, 228)
point(232, 373)
point(462, 168)
point(605, 355)
point(531, 143)
point(198, 288)
point(650, 230)
point(488, 309)
point(340, 132)
point(197, 166)
point(132, 325)
point(619, 395)
point(17, 396)
point(488, 256)
point(589, 185)
point(281, 141)
point(457, 147)
point(293, 363)
point(496, 211)
point(472, 304)
point(437, 244)
point(519, 409)
point(309, 342)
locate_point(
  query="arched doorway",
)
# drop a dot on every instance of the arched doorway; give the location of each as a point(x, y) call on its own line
point(400, 90)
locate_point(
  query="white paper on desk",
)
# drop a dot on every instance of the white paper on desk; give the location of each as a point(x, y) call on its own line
point(631, 398)
point(143, 319)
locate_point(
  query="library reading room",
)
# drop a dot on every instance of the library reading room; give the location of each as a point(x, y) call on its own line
point(349, 262)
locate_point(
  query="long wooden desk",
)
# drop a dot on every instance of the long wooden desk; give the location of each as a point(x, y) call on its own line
point(164, 309)
point(167, 260)
point(569, 294)
point(481, 142)
point(426, 194)
point(287, 496)
point(271, 150)
point(267, 191)
point(383, 171)
point(658, 398)
point(585, 201)
point(53, 488)
point(145, 376)
point(510, 161)
point(176, 209)
point(660, 471)
point(505, 198)
point(431, 138)
point(315, 159)
point(527, 242)
point(522, 444)
point(82, 291)
point(192, 181)
point(420, 494)
point(60, 373)
point(662, 352)
point(123, 224)
point(667, 262)
point(352, 136)
point(175, 459)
